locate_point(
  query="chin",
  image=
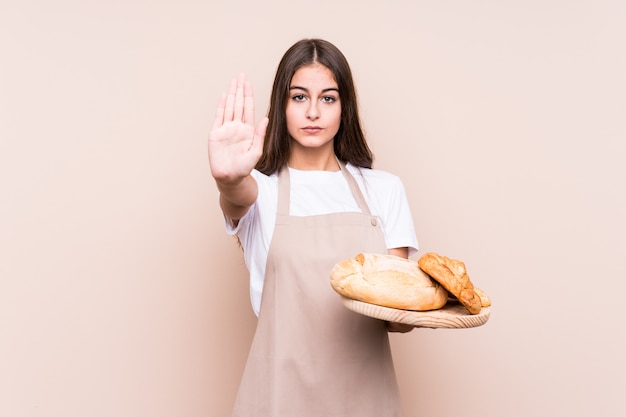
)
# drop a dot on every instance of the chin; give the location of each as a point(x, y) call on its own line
point(313, 142)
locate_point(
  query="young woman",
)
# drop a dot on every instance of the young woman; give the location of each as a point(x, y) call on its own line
point(299, 192)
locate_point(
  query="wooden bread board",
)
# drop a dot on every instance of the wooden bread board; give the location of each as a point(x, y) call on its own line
point(451, 316)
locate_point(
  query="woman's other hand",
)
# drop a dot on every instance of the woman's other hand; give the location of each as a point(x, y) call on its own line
point(399, 327)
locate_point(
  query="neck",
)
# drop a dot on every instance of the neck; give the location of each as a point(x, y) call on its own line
point(313, 160)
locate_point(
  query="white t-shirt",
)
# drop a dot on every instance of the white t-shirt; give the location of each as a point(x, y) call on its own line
point(315, 193)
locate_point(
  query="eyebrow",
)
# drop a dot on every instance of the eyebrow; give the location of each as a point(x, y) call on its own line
point(296, 87)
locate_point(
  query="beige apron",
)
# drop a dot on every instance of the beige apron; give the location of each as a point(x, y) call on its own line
point(311, 356)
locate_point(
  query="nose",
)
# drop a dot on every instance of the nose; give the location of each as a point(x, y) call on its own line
point(313, 112)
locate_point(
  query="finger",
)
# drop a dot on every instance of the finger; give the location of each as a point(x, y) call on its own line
point(219, 113)
point(248, 108)
point(239, 97)
point(230, 101)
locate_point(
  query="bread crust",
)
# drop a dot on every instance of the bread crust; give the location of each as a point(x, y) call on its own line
point(452, 275)
point(388, 281)
point(485, 301)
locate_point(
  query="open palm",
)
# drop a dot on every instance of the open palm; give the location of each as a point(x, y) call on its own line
point(235, 145)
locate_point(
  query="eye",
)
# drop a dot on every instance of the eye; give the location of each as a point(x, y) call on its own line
point(328, 99)
point(298, 97)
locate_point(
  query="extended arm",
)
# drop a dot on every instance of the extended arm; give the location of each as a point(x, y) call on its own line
point(235, 147)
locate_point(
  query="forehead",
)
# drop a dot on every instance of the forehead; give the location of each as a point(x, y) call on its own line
point(313, 76)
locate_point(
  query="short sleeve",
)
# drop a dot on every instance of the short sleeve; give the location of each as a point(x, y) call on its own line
point(397, 218)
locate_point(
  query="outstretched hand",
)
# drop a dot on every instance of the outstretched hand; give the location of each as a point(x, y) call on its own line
point(235, 145)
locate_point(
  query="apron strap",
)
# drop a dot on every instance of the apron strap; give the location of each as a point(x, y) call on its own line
point(354, 187)
point(284, 190)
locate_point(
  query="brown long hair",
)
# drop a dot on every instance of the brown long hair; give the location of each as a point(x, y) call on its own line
point(349, 142)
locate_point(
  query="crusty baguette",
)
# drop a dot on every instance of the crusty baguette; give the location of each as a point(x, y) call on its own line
point(452, 274)
point(485, 301)
point(388, 281)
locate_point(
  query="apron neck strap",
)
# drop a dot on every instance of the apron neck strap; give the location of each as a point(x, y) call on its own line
point(284, 190)
point(354, 187)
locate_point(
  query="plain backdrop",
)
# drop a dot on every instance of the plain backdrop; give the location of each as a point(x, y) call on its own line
point(122, 296)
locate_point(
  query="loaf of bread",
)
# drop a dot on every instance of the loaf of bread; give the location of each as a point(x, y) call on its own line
point(485, 301)
point(452, 275)
point(388, 281)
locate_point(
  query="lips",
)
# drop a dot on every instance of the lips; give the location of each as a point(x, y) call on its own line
point(311, 130)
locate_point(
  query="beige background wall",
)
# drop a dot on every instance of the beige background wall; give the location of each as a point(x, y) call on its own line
point(120, 294)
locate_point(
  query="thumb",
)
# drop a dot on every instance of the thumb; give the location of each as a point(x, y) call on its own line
point(259, 134)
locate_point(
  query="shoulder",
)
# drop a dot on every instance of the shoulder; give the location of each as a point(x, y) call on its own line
point(267, 185)
point(267, 188)
point(266, 200)
point(375, 177)
point(383, 189)
point(371, 172)
point(261, 177)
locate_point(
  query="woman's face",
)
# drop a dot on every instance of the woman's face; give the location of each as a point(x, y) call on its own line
point(313, 108)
